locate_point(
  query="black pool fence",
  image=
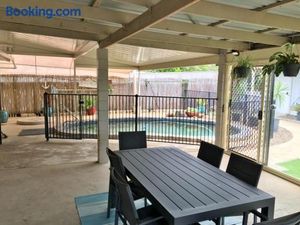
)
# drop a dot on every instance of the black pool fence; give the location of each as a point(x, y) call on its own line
point(185, 120)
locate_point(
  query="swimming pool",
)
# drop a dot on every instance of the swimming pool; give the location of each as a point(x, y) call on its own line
point(163, 127)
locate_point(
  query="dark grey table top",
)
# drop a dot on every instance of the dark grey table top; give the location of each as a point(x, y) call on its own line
point(187, 189)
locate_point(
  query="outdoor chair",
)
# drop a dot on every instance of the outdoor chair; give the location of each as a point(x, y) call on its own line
point(248, 171)
point(210, 153)
point(137, 189)
point(125, 207)
point(292, 219)
point(132, 139)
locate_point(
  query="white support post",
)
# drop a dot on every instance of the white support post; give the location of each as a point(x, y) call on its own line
point(136, 82)
point(102, 104)
point(220, 103)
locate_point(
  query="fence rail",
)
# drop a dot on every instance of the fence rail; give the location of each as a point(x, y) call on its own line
point(165, 119)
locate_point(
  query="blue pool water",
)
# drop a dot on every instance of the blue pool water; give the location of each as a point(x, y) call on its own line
point(166, 128)
point(153, 127)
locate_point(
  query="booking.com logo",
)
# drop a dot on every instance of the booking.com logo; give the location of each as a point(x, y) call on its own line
point(45, 12)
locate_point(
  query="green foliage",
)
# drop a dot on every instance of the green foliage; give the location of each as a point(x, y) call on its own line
point(280, 92)
point(242, 68)
point(202, 68)
point(244, 61)
point(89, 102)
point(279, 59)
point(296, 107)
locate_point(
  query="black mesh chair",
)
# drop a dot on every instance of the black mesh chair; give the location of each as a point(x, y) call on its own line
point(132, 139)
point(245, 170)
point(210, 153)
point(126, 210)
point(293, 219)
point(137, 189)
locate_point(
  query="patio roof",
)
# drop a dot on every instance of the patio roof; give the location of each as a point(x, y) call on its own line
point(154, 33)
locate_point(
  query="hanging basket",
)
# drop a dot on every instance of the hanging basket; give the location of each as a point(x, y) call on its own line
point(291, 70)
point(241, 71)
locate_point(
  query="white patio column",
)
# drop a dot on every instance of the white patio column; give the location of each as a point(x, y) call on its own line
point(219, 130)
point(102, 104)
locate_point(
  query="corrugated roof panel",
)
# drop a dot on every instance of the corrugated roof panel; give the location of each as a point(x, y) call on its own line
point(280, 32)
point(120, 6)
point(141, 55)
point(204, 20)
point(252, 4)
point(242, 26)
point(80, 2)
point(291, 9)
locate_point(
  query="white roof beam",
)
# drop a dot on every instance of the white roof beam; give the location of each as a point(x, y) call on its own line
point(169, 46)
point(185, 62)
point(24, 28)
point(152, 16)
point(232, 34)
point(176, 39)
point(58, 23)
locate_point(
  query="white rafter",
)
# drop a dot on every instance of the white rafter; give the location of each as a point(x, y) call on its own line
point(152, 16)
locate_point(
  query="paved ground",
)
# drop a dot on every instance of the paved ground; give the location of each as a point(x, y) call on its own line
point(39, 180)
point(288, 150)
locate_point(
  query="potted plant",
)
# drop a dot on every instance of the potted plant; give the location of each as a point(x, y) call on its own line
point(296, 108)
point(242, 68)
point(3, 116)
point(286, 61)
point(280, 92)
point(191, 112)
point(89, 104)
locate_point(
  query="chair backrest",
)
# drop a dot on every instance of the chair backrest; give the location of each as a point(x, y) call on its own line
point(125, 203)
point(210, 153)
point(292, 219)
point(132, 139)
point(116, 162)
point(244, 169)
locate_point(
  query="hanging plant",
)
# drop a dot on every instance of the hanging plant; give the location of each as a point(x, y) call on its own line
point(286, 62)
point(243, 68)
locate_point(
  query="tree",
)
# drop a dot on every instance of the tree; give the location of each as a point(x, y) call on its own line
point(202, 68)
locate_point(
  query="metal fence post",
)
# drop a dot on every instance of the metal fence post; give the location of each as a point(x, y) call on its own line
point(46, 116)
point(136, 111)
point(81, 102)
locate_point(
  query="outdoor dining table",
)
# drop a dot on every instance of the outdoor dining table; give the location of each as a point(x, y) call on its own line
point(187, 190)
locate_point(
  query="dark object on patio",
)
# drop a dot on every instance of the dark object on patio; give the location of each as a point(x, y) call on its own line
point(116, 162)
point(210, 153)
point(247, 171)
point(292, 219)
point(132, 140)
point(244, 169)
point(31, 132)
point(125, 208)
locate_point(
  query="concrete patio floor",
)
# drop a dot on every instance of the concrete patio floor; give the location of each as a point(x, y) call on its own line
point(39, 179)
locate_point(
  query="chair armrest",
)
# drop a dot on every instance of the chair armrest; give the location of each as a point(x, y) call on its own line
point(259, 214)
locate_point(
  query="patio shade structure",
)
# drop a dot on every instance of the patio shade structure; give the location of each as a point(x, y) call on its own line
point(150, 34)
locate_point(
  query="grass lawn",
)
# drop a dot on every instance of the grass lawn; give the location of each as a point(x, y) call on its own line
point(292, 167)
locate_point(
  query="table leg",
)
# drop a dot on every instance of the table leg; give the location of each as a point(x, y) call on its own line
point(245, 218)
point(268, 211)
